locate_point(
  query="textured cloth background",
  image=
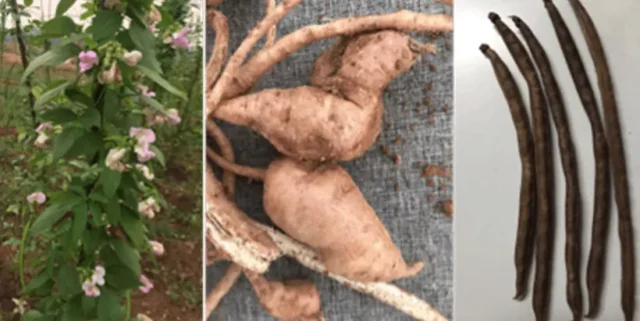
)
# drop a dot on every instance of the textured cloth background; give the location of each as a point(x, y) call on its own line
point(406, 203)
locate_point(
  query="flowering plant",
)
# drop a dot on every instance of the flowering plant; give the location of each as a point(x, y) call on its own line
point(93, 224)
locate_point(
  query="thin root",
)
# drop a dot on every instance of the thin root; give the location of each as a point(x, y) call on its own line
point(214, 98)
point(228, 178)
point(222, 287)
point(218, 23)
point(406, 21)
point(422, 48)
point(246, 171)
point(272, 34)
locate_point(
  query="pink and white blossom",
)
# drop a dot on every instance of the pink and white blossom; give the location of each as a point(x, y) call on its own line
point(41, 140)
point(146, 172)
point(114, 159)
point(180, 39)
point(44, 126)
point(143, 317)
point(148, 208)
point(37, 197)
point(145, 90)
point(132, 58)
point(146, 284)
point(87, 59)
point(98, 275)
point(157, 247)
point(109, 76)
point(90, 289)
point(174, 116)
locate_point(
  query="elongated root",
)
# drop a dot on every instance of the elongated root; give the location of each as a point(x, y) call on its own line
point(386, 293)
point(405, 21)
point(243, 51)
point(271, 35)
point(224, 285)
point(228, 178)
point(218, 23)
point(233, 232)
point(246, 171)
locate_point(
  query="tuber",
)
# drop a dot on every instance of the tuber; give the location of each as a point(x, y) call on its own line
point(290, 300)
point(321, 206)
point(339, 116)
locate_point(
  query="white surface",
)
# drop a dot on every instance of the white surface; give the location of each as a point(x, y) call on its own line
point(487, 165)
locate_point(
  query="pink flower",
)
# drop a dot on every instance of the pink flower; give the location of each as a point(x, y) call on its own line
point(152, 28)
point(37, 197)
point(145, 91)
point(88, 59)
point(109, 76)
point(132, 58)
point(174, 117)
point(43, 126)
point(98, 275)
point(143, 135)
point(157, 247)
point(144, 153)
point(41, 140)
point(90, 289)
point(146, 284)
point(180, 39)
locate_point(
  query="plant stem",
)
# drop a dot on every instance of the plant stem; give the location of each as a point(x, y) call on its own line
point(23, 57)
point(25, 231)
point(127, 315)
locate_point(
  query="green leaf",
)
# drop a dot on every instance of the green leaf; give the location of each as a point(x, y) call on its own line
point(63, 142)
point(113, 211)
point(68, 281)
point(106, 24)
point(109, 307)
point(133, 227)
point(28, 3)
point(91, 239)
point(36, 282)
point(152, 103)
point(54, 212)
point(98, 197)
point(90, 118)
point(87, 145)
point(79, 223)
point(110, 182)
point(159, 155)
point(51, 93)
point(127, 255)
point(121, 278)
point(58, 26)
point(73, 310)
point(111, 105)
point(63, 6)
point(77, 96)
point(59, 115)
point(89, 306)
point(32, 315)
point(136, 14)
point(161, 81)
point(53, 57)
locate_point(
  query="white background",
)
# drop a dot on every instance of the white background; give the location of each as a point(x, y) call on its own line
point(487, 165)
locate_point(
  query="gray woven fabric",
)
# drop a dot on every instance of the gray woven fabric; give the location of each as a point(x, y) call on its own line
point(410, 211)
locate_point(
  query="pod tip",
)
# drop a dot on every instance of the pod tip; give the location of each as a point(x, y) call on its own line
point(493, 17)
point(484, 47)
point(516, 20)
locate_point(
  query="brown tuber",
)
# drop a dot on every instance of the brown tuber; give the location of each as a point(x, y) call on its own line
point(321, 206)
point(290, 300)
point(340, 115)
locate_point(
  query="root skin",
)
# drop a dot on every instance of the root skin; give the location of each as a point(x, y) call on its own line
point(321, 206)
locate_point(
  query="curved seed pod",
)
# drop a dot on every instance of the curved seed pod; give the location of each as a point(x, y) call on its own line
point(525, 238)
point(619, 167)
point(573, 206)
point(544, 169)
point(602, 195)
